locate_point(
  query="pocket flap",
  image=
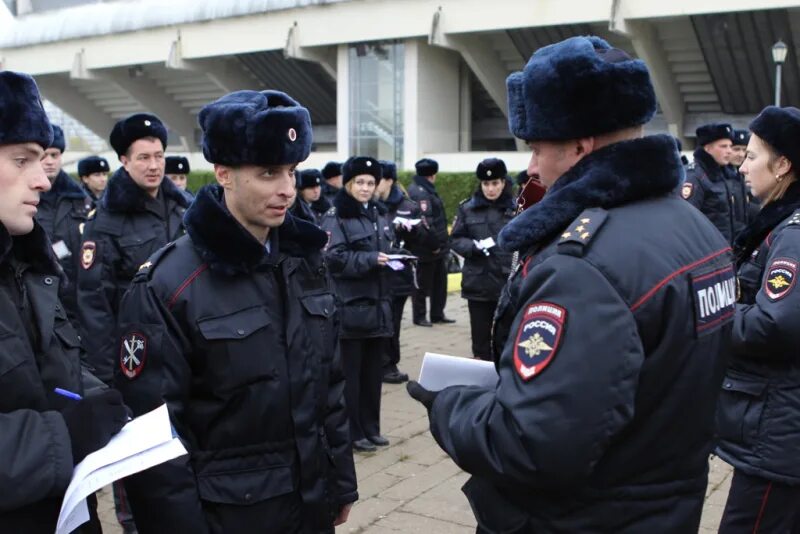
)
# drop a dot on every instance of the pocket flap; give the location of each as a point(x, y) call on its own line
point(136, 239)
point(746, 386)
point(321, 305)
point(236, 325)
point(246, 487)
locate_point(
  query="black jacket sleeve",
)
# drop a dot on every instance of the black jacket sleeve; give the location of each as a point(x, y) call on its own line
point(342, 259)
point(460, 240)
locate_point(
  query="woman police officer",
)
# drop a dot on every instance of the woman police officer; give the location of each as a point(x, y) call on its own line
point(757, 414)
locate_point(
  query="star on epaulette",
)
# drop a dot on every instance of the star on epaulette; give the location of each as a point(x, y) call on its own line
point(145, 265)
point(91, 214)
point(582, 231)
point(795, 219)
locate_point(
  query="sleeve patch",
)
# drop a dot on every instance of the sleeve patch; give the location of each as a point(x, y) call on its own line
point(780, 279)
point(686, 190)
point(714, 296)
point(538, 338)
point(423, 205)
point(132, 354)
point(88, 254)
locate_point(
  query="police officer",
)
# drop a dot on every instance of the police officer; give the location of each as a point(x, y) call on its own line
point(177, 169)
point(332, 173)
point(309, 191)
point(42, 434)
point(62, 211)
point(740, 196)
point(360, 241)
point(707, 186)
point(432, 273)
point(93, 173)
point(139, 213)
point(486, 266)
point(761, 392)
point(411, 233)
point(612, 334)
point(234, 326)
point(741, 138)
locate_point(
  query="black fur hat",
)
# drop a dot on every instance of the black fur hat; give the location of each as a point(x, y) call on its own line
point(491, 169)
point(91, 165)
point(578, 88)
point(308, 178)
point(708, 133)
point(138, 126)
point(256, 128)
point(358, 165)
point(176, 165)
point(22, 116)
point(780, 128)
point(426, 167)
point(388, 170)
point(522, 177)
point(58, 138)
point(331, 169)
point(741, 137)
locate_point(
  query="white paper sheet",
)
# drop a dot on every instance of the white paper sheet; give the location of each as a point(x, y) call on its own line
point(143, 443)
point(406, 223)
point(401, 257)
point(440, 371)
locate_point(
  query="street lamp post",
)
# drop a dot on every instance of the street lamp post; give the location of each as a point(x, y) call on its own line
point(779, 51)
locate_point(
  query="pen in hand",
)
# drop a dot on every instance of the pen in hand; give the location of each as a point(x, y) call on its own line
point(68, 394)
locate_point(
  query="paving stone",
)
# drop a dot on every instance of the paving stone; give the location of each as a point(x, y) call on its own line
point(372, 485)
point(366, 512)
point(428, 478)
point(412, 523)
point(445, 502)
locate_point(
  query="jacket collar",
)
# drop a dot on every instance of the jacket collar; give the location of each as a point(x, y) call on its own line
point(767, 219)
point(33, 249)
point(348, 207)
point(425, 184)
point(227, 247)
point(504, 201)
point(122, 194)
point(613, 175)
point(394, 199)
point(63, 187)
point(706, 162)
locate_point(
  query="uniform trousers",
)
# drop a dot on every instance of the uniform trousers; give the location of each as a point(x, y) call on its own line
point(481, 315)
point(759, 506)
point(432, 280)
point(363, 372)
point(392, 353)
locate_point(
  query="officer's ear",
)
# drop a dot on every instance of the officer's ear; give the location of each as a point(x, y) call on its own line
point(223, 174)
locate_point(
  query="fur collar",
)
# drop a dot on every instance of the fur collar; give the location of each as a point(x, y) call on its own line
point(614, 175)
point(349, 208)
point(33, 248)
point(767, 219)
point(63, 187)
point(321, 205)
point(122, 193)
point(394, 199)
point(504, 201)
point(708, 165)
point(89, 192)
point(425, 184)
point(227, 247)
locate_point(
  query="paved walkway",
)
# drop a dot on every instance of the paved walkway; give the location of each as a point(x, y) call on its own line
point(412, 486)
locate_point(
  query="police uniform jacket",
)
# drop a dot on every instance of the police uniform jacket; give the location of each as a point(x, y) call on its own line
point(39, 351)
point(431, 204)
point(416, 241)
point(328, 192)
point(609, 352)
point(319, 208)
point(709, 189)
point(740, 199)
point(241, 342)
point(127, 227)
point(62, 212)
point(483, 276)
point(760, 399)
point(89, 193)
point(356, 234)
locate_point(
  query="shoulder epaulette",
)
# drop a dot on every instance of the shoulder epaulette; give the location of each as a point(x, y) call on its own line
point(464, 201)
point(582, 231)
point(146, 269)
point(795, 219)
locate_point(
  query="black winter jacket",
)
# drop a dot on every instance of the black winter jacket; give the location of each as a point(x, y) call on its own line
point(39, 351)
point(430, 203)
point(363, 288)
point(709, 189)
point(63, 212)
point(760, 399)
point(483, 276)
point(609, 353)
point(127, 227)
point(242, 345)
point(740, 199)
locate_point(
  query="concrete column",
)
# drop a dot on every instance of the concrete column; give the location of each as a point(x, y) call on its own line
point(343, 102)
point(410, 101)
point(465, 112)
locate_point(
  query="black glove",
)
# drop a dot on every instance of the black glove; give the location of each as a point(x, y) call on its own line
point(420, 394)
point(92, 421)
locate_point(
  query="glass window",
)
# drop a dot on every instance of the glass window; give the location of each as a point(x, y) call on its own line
point(376, 100)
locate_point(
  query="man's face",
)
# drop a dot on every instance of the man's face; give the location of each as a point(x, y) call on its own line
point(22, 179)
point(179, 180)
point(738, 152)
point(51, 163)
point(720, 150)
point(258, 197)
point(96, 182)
point(145, 163)
point(551, 159)
point(335, 181)
point(311, 194)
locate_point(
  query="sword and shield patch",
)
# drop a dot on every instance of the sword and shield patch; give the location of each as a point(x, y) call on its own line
point(538, 338)
point(780, 279)
point(132, 354)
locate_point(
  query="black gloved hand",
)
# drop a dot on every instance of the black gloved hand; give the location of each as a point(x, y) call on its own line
point(93, 420)
point(420, 394)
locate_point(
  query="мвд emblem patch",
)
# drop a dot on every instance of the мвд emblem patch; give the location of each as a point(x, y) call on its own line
point(780, 279)
point(538, 338)
point(88, 253)
point(132, 354)
point(686, 190)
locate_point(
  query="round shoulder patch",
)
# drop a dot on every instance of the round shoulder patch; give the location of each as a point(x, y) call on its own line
point(686, 190)
point(132, 354)
point(88, 254)
point(780, 279)
point(423, 205)
point(538, 338)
